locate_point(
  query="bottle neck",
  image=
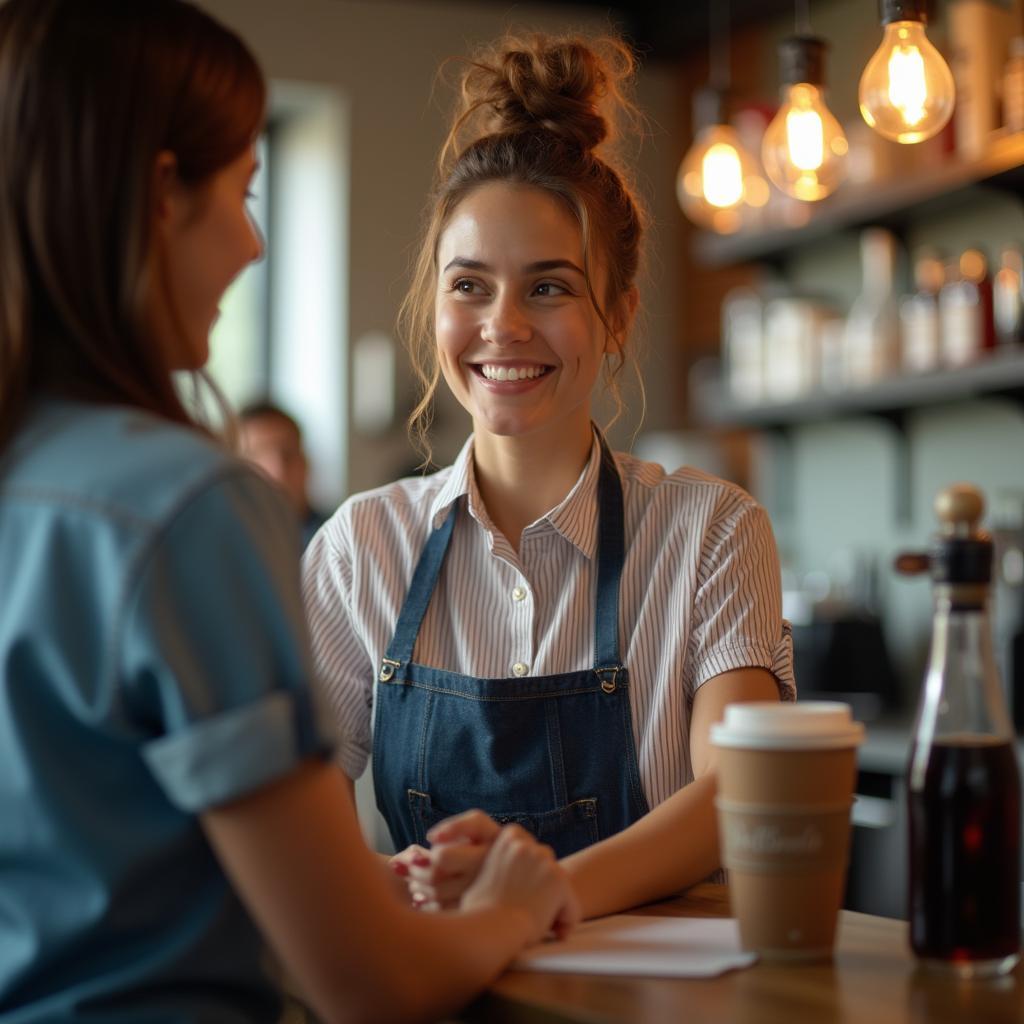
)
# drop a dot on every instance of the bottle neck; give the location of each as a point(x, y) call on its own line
point(963, 693)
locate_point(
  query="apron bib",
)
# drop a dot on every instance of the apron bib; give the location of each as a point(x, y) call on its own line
point(554, 754)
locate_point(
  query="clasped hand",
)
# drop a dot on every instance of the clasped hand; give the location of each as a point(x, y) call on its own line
point(461, 864)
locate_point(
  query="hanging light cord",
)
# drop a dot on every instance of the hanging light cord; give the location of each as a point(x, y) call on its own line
point(718, 56)
point(803, 17)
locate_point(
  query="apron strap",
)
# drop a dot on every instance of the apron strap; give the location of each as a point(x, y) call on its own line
point(610, 556)
point(611, 552)
point(428, 568)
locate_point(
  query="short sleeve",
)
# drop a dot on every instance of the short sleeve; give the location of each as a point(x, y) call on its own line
point(738, 603)
point(216, 661)
point(344, 668)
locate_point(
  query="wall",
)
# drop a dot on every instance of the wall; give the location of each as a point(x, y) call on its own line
point(832, 487)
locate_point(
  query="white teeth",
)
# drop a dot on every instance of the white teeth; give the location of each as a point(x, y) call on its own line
point(511, 373)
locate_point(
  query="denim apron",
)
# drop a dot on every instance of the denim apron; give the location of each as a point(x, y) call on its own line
point(554, 754)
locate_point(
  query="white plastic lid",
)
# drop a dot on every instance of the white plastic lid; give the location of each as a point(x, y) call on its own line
point(769, 725)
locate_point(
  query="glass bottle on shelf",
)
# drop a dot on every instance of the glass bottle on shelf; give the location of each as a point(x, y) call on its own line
point(919, 315)
point(1008, 296)
point(963, 780)
point(743, 344)
point(1013, 87)
point(965, 310)
point(871, 337)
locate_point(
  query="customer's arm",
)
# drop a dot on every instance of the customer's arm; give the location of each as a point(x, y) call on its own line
point(295, 854)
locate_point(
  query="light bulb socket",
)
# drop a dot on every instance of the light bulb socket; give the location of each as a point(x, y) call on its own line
point(802, 59)
point(903, 10)
point(708, 107)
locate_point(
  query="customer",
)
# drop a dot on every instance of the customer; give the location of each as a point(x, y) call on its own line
point(163, 771)
point(544, 630)
point(272, 439)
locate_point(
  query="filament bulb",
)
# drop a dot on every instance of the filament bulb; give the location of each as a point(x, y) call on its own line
point(906, 91)
point(804, 148)
point(718, 179)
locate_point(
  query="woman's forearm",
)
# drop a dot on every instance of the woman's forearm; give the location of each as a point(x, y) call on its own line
point(669, 849)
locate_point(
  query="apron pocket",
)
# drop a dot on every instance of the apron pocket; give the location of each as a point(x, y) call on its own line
point(565, 829)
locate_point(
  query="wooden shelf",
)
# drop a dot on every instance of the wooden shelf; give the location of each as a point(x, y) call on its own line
point(999, 374)
point(893, 204)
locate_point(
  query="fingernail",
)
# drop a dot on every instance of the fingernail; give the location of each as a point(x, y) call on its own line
point(399, 868)
point(421, 860)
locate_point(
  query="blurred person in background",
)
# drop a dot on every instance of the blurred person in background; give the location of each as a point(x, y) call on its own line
point(272, 439)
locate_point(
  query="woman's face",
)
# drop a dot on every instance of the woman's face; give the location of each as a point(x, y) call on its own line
point(519, 341)
point(206, 238)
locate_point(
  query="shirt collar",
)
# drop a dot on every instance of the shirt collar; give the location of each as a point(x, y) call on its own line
point(460, 481)
point(575, 517)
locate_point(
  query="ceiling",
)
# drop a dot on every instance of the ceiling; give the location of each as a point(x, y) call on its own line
point(670, 29)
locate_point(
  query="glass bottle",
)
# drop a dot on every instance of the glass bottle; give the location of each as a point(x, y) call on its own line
point(1008, 296)
point(919, 315)
point(965, 310)
point(963, 779)
point(871, 338)
point(1013, 87)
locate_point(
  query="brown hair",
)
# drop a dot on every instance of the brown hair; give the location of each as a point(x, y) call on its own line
point(535, 112)
point(90, 93)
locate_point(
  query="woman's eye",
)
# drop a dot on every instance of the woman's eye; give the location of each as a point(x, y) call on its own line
point(550, 288)
point(465, 286)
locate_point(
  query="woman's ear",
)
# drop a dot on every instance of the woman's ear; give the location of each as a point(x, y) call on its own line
point(622, 320)
point(166, 188)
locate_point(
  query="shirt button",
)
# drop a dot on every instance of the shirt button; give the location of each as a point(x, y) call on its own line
point(519, 669)
point(518, 593)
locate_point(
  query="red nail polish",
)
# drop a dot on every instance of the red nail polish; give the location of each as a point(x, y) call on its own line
point(421, 860)
point(399, 868)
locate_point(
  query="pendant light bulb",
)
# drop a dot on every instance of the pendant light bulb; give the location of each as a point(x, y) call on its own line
point(804, 148)
point(717, 178)
point(906, 90)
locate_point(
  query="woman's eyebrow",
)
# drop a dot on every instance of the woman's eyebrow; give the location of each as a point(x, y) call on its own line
point(464, 263)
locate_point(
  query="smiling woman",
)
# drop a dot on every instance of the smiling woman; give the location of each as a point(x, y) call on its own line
point(519, 342)
point(544, 630)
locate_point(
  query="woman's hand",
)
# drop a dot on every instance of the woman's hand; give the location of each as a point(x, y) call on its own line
point(520, 873)
point(437, 878)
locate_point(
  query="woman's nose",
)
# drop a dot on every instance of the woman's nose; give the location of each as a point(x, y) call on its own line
point(257, 242)
point(506, 323)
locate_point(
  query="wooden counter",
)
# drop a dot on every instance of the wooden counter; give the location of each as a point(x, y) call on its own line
point(872, 980)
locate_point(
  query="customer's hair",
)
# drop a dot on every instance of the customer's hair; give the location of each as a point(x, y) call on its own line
point(264, 409)
point(90, 94)
point(535, 112)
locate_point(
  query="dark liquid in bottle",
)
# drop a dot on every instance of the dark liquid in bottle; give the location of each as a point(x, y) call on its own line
point(965, 851)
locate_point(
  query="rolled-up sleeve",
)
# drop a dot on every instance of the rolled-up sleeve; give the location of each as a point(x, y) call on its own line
point(344, 667)
point(737, 606)
point(216, 664)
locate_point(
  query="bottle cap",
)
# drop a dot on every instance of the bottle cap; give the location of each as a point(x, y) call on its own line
point(973, 265)
point(962, 553)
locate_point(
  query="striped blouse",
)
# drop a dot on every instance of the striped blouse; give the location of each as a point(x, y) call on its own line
point(700, 595)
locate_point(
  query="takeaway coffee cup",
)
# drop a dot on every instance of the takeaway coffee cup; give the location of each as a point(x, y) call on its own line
point(786, 775)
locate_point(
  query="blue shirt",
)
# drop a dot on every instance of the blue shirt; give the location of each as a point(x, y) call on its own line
point(154, 663)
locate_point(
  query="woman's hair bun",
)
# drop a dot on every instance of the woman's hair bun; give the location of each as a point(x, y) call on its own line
point(564, 85)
